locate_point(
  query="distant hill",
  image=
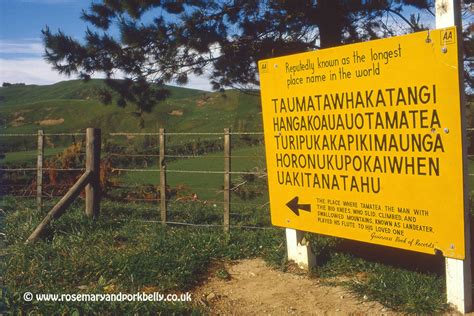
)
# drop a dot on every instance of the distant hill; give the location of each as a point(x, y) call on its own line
point(72, 106)
point(68, 90)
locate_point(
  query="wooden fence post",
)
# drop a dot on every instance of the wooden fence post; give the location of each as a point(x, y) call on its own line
point(226, 180)
point(62, 205)
point(162, 163)
point(39, 171)
point(93, 141)
point(458, 272)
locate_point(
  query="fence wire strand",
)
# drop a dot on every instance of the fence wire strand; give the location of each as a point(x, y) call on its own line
point(182, 133)
point(206, 225)
point(50, 134)
point(132, 155)
point(44, 169)
point(187, 171)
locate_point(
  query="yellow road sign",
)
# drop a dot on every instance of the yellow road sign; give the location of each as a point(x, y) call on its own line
point(364, 142)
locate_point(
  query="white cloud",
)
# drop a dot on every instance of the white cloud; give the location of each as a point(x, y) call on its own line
point(29, 67)
point(29, 71)
point(37, 71)
point(34, 47)
point(200, 83)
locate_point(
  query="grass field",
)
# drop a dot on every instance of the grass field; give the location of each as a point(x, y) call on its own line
point(207, 186)
point(29, 157)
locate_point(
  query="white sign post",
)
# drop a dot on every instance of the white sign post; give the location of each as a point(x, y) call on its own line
point(298, 249)
point(458, 272)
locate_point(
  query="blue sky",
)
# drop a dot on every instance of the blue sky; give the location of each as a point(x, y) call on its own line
point(26, 18)
point(21, 48)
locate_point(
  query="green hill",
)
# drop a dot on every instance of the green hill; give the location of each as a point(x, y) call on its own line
point(72, 106)
point(68, 90)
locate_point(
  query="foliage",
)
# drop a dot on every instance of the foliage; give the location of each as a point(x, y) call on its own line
point(8, 84)
point(223, 274)
point(166, 41)
point(251, 185)
point(468, 46)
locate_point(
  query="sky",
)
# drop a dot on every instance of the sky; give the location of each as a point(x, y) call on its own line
point(21, 48)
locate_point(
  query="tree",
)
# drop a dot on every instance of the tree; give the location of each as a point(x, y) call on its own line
point(163, 41)
point(468, 41)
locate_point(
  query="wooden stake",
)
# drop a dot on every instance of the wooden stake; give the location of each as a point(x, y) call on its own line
point(458, 272)
point(162, 163)
point(226, 180)
point(93, 165)
point(39, 171)
point(62, 205)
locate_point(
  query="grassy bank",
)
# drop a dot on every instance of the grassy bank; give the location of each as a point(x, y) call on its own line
point(127, 251)
point(121, 252)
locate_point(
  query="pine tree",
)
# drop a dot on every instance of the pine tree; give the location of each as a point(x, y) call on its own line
point(150, 43)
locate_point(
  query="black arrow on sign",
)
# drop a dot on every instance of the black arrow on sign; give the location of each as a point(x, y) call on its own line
point(295, 207)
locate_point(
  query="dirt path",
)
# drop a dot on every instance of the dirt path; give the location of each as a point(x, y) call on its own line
point(253, 288)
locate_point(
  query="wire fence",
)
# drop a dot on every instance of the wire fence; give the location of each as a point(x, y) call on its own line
point(133, 172)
